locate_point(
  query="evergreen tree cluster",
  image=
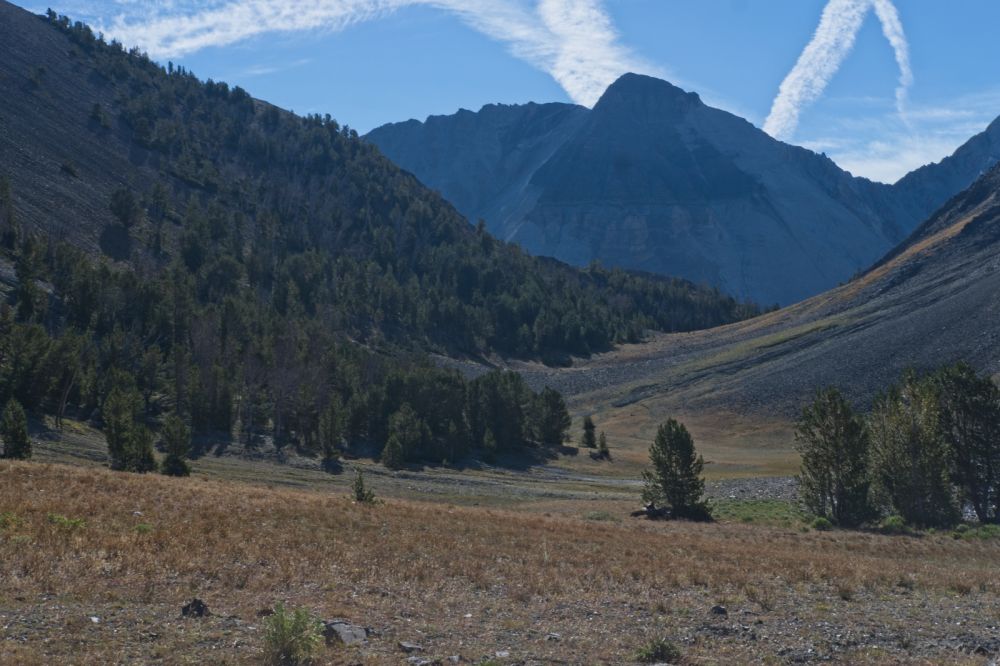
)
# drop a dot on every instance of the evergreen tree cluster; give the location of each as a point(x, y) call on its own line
point(280, 279)
point(129, 351)
point(930, 446)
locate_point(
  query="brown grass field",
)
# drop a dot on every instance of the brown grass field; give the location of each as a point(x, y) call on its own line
point(532, 586)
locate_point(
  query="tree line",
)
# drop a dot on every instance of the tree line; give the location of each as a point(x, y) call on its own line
point(929, 448)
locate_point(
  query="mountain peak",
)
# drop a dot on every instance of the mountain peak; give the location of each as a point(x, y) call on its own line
point(633, 88)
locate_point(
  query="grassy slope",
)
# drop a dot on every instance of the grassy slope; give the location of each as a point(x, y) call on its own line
point(457, 580)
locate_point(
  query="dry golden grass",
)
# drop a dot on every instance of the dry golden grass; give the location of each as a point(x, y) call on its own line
point(456, 580)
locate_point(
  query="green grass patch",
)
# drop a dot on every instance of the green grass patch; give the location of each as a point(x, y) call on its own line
point(781, 513)
point(67, 524)
point(982, 532)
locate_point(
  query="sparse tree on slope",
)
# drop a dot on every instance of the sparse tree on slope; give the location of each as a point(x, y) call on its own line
point(676, 475)
point(14, 431)
point(589, 440)
point(833, 443)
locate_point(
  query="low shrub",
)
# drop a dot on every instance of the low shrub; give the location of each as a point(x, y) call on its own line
point(67, 524)
point(894, 525)
point(291, 637)
point(821, 524)
point(658, 651)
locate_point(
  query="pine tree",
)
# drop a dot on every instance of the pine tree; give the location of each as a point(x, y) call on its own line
point(675, 479)
point(177, 444)
point(331, 426)
point(552, 420)
point(14, 432)
point(408, 435)
point(910, 458)
point(602, 447)
point(362, 494)
point(130, 444)
point(970, 423)
point(833, 443)
point(588, 441)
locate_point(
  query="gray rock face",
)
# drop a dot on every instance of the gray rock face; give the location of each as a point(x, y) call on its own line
point(653, 179)
point(339, 631)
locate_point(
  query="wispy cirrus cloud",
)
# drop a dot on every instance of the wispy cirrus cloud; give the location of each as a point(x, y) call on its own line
point(882, 148)
point(574, 41)
point(822, 57)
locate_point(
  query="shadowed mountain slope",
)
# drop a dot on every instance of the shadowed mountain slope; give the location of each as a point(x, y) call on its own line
point(652, 178)
point(934, 300)
point(202, 170)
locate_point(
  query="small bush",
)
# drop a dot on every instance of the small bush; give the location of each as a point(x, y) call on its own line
point(659, 651)
point(291, 637)
point(893, 525)
point(821, 524)
point(143, 528)
point(9, 521)
point(362, 493)
point(762, 596)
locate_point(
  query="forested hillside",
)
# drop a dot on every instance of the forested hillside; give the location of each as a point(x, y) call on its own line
point(264, 274)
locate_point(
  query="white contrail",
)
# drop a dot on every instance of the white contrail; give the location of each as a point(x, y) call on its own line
point(572, 40)
point(892, 28)
point(822, 57)
point(589, 57)
point(833, 40)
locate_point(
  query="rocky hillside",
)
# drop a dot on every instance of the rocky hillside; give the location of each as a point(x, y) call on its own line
point(932, 301)
point(145, 165)
point(654, 179)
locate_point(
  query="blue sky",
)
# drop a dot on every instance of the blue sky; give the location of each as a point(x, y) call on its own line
point(367, 62)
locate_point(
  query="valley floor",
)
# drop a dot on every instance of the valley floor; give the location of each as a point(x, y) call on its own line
point(572, 580)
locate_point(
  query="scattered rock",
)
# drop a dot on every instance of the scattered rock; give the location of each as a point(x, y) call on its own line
point(95, 619)
point(503, 654)
point(652, 512)
point(410, 647)
point(719, 610)
point(455, 659)
point(338, 631)
point(553, 637)
point(196, 608)
point(420, 661)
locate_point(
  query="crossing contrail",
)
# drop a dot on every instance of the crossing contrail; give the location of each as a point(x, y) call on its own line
point(822, 57)
point(574, 41)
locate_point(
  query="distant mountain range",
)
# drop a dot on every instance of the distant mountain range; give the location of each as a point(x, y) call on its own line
point(653, 179)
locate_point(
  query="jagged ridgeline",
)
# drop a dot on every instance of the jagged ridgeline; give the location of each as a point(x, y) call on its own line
point(244, 265)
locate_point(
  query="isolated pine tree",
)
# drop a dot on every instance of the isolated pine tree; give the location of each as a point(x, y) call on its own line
point(589, 440)
point(675, 479)
point(177, 444)
point(362, 493)
point(833, 444)
point(14, 432)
